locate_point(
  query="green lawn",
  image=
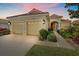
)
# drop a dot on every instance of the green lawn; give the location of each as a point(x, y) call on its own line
point(38, 50)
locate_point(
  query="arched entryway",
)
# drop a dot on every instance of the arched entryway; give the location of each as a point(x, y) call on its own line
point(54, 25)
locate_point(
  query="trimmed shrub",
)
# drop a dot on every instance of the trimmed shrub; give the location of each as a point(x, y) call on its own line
point(40, 38)
point(51, 37)
point(70, 32)
point(67, 35)
point(70, 29)
point(61, 31)
point(76, 40)
point(43, 34)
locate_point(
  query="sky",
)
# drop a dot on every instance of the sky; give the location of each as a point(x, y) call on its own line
point(10, 9)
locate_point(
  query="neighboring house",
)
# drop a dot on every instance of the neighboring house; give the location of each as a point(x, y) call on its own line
point(76, 22)
point(4, 23)
point(29, 23)
point(65, 23)
point(55, 21)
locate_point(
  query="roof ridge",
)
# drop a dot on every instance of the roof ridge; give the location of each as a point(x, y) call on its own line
point(55, 16)
point(34, 10)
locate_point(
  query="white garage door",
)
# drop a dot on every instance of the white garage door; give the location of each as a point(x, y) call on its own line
point(33, 28)
point(19, 28)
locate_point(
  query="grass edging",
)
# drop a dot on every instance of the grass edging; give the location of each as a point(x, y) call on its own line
point(39, 50)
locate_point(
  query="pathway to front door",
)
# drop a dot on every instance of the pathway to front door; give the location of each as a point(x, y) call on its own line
point(62, 42)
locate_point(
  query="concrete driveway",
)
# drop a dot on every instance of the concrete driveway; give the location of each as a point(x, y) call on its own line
point(16, 45)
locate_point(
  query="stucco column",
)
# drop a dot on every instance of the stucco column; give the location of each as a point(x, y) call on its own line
point(58, 26)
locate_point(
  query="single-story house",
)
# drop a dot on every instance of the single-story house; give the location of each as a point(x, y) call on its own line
point(76, 22)
point(29, 23)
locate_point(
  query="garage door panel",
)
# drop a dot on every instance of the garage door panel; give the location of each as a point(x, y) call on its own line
point(33, 28)
point(18, 28)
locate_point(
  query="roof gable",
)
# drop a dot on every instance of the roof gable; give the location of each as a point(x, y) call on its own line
point(55, 16)
point(35, 11)
point(32, 12)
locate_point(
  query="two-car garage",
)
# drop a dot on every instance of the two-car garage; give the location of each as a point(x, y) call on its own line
point(26, 28)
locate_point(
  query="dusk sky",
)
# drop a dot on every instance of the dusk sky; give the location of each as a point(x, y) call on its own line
point(9, 9)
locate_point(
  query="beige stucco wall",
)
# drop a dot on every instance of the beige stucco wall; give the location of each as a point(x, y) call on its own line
point(62, 24)
point(27, 18)
point(65, 25)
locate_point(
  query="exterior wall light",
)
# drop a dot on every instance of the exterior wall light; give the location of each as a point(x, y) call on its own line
point(43, 21)
point(9, 23)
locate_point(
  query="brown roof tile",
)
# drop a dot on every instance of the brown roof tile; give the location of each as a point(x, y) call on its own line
point(76, 21)
point(65, 20)
point(55, 16)
point(32, 12)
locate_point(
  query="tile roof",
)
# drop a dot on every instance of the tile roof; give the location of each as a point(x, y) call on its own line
point(76, 21)
point(65, 20)
point(55, 16)
point(35, 11)
point(32, 12)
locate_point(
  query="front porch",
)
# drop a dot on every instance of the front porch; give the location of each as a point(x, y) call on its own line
point(54, 26)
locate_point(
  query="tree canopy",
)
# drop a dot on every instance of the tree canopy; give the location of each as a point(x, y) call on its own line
point(73, 13)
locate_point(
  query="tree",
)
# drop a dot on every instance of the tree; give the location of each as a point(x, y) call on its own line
point(73, 13)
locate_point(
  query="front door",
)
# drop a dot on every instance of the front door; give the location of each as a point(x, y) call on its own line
point(54, 26)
